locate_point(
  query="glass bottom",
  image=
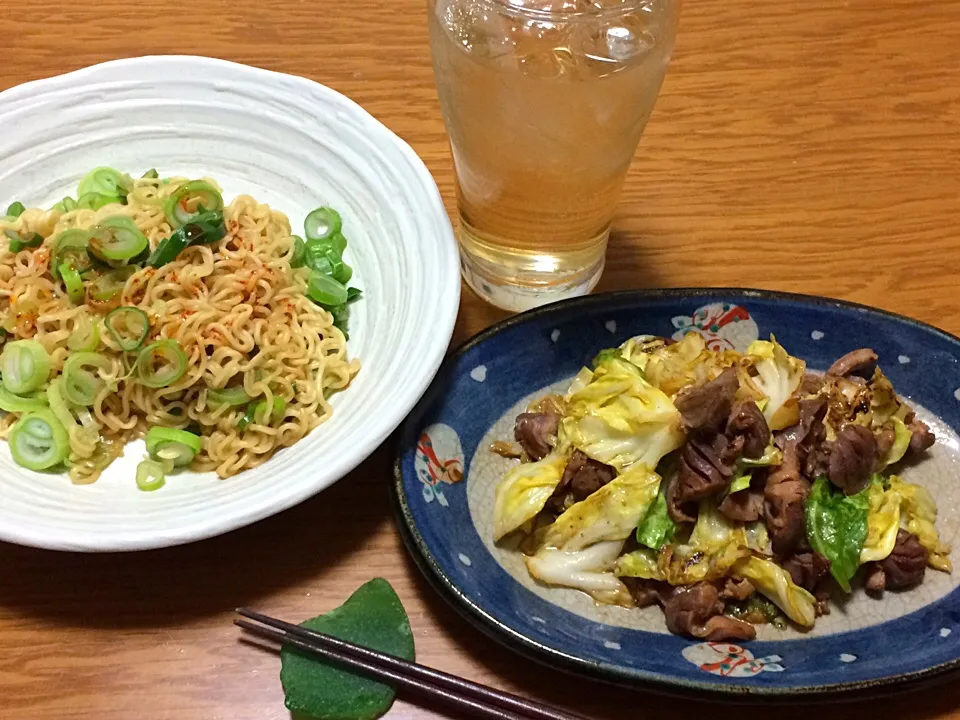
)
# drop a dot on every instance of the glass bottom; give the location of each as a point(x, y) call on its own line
point(519, 279)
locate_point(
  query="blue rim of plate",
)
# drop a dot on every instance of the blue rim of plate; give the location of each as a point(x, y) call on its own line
point(610, 673)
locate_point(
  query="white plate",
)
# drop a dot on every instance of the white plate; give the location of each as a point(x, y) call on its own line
point(295, 145)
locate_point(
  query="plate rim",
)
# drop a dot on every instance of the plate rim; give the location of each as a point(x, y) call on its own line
point(614, 674)
point(444, 326)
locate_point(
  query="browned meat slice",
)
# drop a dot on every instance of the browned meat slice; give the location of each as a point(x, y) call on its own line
point(807, 568)
point(706, 408)
point(743, 506)
point(732, 589)
point(648, 592)
point(697, 611)
point(906, 565)
point(860, 361)
point(853, 456)
point(885, 439)
point(811, 384)
point(706, 467)
point(784, 494)
point(583, 476)
point(876, 580)
point(675, 508)
point(747, 421)
point(922, 438)
point(536, 433)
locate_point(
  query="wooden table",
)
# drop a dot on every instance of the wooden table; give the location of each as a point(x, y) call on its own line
point(800, 146)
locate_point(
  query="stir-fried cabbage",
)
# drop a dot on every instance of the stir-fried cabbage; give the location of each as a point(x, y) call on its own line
point(589, 570)
point(777, 380)
point(671, 368)
point(920, 512)
point(640, 563)
point(524, 491)
point(901, 442)
point(775, 582)
point(611, 513)
point(620, 419)
point(714, 546)
point(883, 523)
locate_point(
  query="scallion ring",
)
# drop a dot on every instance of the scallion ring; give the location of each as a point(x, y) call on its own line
point(95, 201)
point(72, 281)
point(257, 410)
point(150, 174)
point(15, 404)
point(79, 384)
point(229, 397)
point(189, 200)
point(85, 336)
point(322, 223)
point(105, 181)
point(150, 476)
point(25, 365)
point(161, 364)
point(70, 246)
point(19, 241)
point(179, 446)
point(16, 209)
point(298, 256)
point(117, 238)
point(39, 441)
point(129, 326)
point(326, 291)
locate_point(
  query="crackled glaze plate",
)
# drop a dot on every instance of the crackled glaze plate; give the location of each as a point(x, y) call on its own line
point(446, 477)
point(295, 145)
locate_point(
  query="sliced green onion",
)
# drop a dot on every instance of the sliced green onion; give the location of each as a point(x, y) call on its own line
point(129, 326)
point(85, 336)
point(16, 209)
point(150, 476)
point(70, 246)
point(95, 201)
point(73, 283)
point(25, 365)
point(229, 397)
point(189, 200)
point(106, 287)
point(317, 257)
point(256, 411)
point(65, 205)
point(322, 223)
point(80, 385)
point(353, 294)
point(161, 364)
point(38, 441)
point(150, 174)
point(105, 181)
point(59, 406)
point(326, 291)
point(204, 229)
point(117, 238)
point(15, 404)
point(19, 241)
point(298, 257)
point(179, 446)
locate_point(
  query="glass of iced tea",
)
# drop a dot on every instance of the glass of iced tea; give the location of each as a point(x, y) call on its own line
point(544, 103)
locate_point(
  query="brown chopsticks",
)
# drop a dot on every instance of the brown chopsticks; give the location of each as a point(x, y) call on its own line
point(478, 700)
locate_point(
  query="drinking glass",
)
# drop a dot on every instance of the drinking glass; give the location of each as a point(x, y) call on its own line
point(544, 102)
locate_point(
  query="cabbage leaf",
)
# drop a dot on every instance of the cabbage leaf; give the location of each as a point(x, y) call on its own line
point(920, 512)
point(883, 523)
point(777, 381)
point(589, 570)
point(523, 492)
point(775, 582)
point(837, 528)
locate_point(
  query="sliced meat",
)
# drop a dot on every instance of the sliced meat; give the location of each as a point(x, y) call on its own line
point(876, 580)
point(748, 422)
point(583, 476)
point(885, 439)
point(706, 408)
point(922, 438)
point(857, 362)
point(696, 611)
point(676, 509)
point(853, 456)
point(905, 566)
point(648, 592)
point(811, 384)
point(536, 433)
point(807, 569)
point(784, 495)
point(733, 589)
point(706, 467)
point(743, 506)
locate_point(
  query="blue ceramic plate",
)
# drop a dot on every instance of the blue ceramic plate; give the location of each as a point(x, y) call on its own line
point(446, 477)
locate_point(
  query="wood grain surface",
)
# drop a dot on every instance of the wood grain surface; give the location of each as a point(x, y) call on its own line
point(805, 146)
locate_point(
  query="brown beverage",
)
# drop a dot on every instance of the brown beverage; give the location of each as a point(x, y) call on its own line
point(544, 103)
